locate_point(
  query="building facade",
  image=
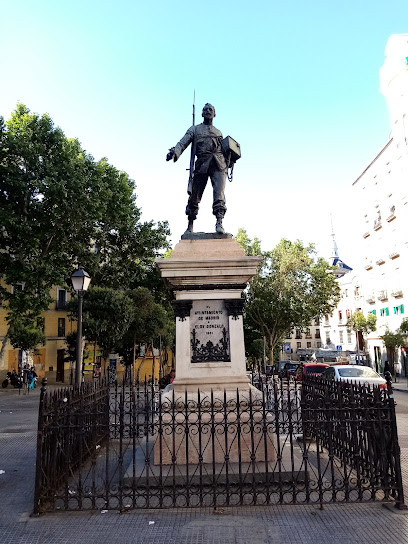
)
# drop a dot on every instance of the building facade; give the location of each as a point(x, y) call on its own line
point(382, 192)
point(50, 360)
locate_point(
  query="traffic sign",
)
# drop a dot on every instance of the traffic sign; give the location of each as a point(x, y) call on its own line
point(339, 348)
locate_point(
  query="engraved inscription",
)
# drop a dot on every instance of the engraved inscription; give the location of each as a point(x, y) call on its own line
point(209, 331)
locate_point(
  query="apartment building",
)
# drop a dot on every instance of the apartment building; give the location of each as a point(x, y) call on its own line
point(49, 360)
point(382, 190)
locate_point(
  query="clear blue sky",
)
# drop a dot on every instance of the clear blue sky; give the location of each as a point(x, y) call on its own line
point(296, 83)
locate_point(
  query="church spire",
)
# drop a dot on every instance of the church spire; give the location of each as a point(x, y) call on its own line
point(340, 267)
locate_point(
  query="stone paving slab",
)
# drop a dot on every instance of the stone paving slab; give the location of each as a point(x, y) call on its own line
point(337, 524)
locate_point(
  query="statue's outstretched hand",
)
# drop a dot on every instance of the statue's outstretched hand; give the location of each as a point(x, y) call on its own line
point(170, 155)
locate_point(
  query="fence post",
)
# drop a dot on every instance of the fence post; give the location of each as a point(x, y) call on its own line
point(39, 460)
point(400, 504)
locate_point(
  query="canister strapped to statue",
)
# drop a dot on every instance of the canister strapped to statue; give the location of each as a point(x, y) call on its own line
point(232, 152)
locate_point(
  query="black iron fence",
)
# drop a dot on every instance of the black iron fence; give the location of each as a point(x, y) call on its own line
point(120, 447)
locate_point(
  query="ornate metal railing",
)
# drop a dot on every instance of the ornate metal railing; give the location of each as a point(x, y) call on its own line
point(356, 424)
point(129, 446)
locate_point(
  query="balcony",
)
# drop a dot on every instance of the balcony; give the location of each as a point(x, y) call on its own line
point(380, 261)
point(377, 224)
point(391, 216)
point(370, 298)
point(61, 305)
point(397, 292)
point(382, 295)
point(394, 254)
point(366, 234)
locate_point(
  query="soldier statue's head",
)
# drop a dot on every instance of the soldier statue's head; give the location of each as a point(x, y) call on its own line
point(208, 112)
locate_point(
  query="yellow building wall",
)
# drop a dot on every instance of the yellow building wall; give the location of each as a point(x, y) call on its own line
point(45, 357)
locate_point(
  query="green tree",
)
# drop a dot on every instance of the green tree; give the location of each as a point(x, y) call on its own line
point(60, 208)
point(292, 287)
point(25, 336)
point(251, 246)
point(362, 326)
point(107, 314)
point(404, 326)
point(392, 341)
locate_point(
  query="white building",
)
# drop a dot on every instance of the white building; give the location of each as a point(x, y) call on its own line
point(382, 193)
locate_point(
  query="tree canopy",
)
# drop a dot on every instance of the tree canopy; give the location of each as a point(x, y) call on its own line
point(251, 246)
point(359, 323)
point(291, 288)
point(60, 208)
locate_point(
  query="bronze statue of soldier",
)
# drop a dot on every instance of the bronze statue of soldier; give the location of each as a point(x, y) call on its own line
point(206, 143)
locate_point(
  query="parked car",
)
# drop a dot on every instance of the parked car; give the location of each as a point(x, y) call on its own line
point(355, 374)
point(314, 369)
point(289, 369)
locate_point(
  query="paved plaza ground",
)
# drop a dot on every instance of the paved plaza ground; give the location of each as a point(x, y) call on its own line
point(354, 523)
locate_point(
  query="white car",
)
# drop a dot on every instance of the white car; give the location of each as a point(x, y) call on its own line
point(355, 374)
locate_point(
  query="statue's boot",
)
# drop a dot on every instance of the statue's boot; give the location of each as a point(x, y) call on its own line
point(190, 226)
point(218, 226)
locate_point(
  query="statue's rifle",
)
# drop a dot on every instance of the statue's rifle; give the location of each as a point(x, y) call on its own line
point(192, 156)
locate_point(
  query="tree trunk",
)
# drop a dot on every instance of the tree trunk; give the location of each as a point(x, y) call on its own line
point(391, 360)
point(3, 346)
point(271, 348)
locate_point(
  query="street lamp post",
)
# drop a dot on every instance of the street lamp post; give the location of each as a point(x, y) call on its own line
point(80, 282)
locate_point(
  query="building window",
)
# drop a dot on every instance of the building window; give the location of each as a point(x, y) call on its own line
point(348, 337)
point(308, 344)
point(17, 287)
point(328, 341)
point(341, 337)
point(298, 334)
point(62, 299)
point(340, 315)
point(318, 344)
point(399, 309)
point(384, 312)
point(326, 319)
point(298, 345)
point(308, 334)
point(61, 326)
point(317, 321)
point(317, 333)
point(346, 292)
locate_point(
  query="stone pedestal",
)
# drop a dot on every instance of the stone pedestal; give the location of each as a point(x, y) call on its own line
point(207, 274)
